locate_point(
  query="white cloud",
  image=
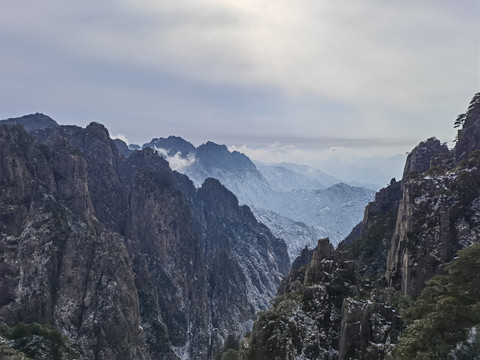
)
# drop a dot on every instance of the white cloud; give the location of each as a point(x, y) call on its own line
point(375, 164)
point(390, 61)
point(355, 50)
point(388, 53)
point(121, 137)
point(317, 153)
point(177, 162)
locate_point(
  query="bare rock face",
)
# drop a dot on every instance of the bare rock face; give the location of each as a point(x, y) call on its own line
point(61, 266)
point(167, 251)
point(420, 159)
point(32, 122)
point(305, 319)
point(370, 241)
point(244, 262)
point(437, 216)
point(123, 148)
point(317, 317)
point(123, 256)
point(16, 179)
point(385, 199)
point(107, 191)
point(469, 135)
point(438, 213)
point(334, 304)
point(368, 328)
point(322, 263)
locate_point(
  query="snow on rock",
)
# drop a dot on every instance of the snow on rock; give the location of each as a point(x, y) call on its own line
point(295, 193)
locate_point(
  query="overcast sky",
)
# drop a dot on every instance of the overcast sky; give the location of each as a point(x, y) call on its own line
point(309, 81)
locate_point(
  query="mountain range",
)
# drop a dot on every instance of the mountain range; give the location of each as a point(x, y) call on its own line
point(290, 193)
point(108, 253)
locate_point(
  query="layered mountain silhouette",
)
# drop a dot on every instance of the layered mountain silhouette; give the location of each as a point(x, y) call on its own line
point(289, 193)
point(108, 253)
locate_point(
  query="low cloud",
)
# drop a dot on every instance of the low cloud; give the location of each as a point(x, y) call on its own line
point(177, 162)
point(367, 164)
point(121, 137)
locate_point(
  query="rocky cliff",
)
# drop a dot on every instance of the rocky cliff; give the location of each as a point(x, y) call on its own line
point(352, 302)
point(439, 210)
point(59, 264)
point(123, 256)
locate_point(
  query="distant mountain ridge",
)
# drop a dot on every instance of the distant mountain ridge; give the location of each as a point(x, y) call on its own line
point(296, 193)
point(297, 235)
point(210, 160)
point(173, 145)
point(288, 177)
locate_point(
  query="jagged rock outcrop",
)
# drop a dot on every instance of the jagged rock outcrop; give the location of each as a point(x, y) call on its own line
point(33, 122)
point(239, 284)
point(166, 251)
point(468, 137)
point(334, 304)
point(59, 264)
point(315, 316)
point(304, 321)
point(369, 327)
point(385, 199)
point(420, 159)
point(122, 147)
point(411, 229)
point(423, 221)
point(439, 212)
point(363, 328)
point(370, 241)
point(123, 256)
point(172, 145)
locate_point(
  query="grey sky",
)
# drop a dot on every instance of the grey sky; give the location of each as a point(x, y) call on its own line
point(305, 80)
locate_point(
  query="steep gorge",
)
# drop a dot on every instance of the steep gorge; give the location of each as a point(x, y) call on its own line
point(122, 258)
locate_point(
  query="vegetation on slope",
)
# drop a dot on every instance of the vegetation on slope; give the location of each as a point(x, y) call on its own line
point(446, 316)
point(35, 341)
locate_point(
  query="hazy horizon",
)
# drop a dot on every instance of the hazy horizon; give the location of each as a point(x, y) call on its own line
point(320, 83)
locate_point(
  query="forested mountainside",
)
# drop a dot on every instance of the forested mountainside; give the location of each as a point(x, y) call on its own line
point(104, 257)
point(404, 284)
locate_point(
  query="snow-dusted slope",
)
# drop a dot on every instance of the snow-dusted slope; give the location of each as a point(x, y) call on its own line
point(282, 195)
point(337, 209)
point(288, 176)
point(297, 235)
